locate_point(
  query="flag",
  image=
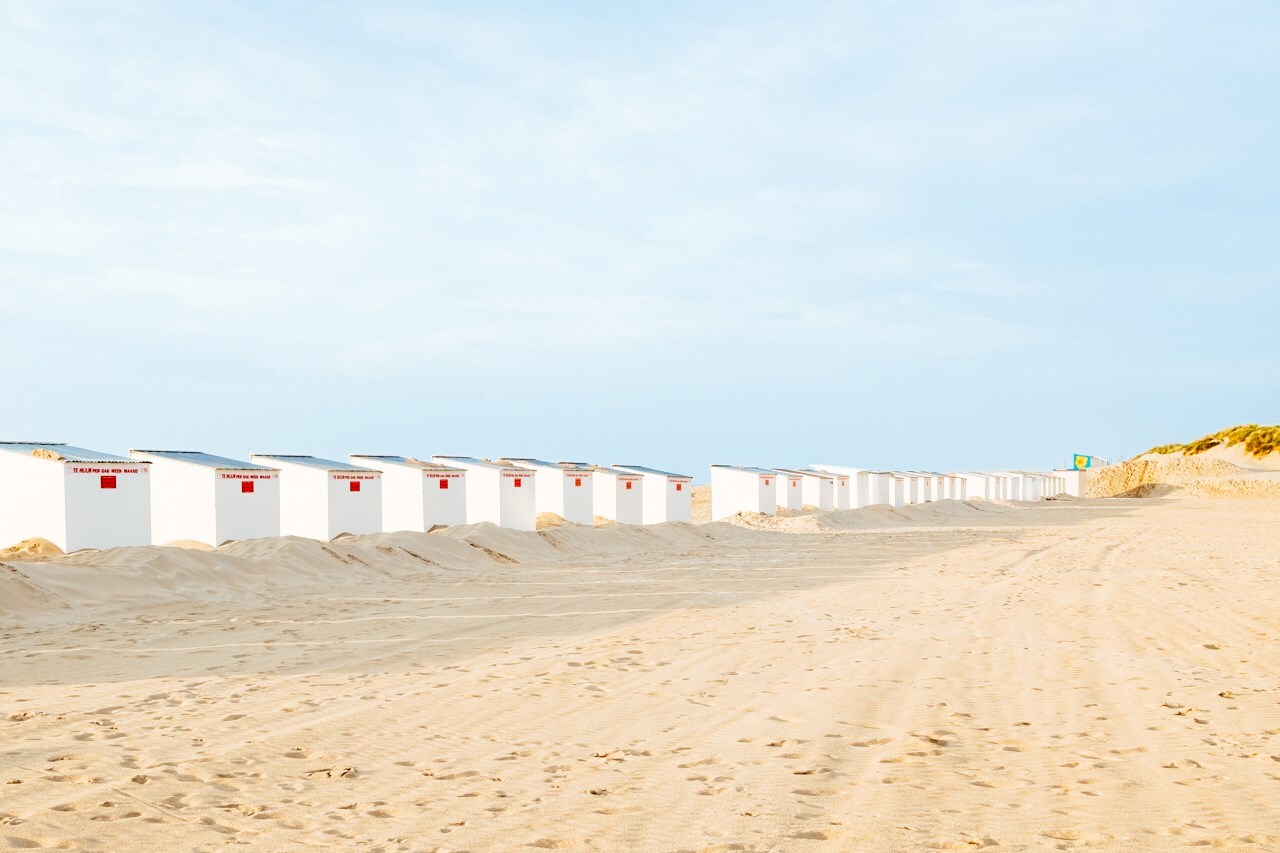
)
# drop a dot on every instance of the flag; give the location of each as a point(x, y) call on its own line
point(1082, 461)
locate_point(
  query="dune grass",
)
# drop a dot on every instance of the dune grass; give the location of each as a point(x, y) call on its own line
point(1258, 441)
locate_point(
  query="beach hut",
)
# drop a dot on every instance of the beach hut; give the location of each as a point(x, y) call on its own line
point(896, 489)
point(736, 489)
point(323, 498)
point(817, 488)
point(1011, 486)
point(211, 499)
point(910, 487)
point(984, 486)
point(74, 497)
point(497, 492)
point(563, 488)
point(858, 481)
point(667, 496)
point(618, 495)
point(842, 490)
point(416, 494)
point(789, 493)
point(1073, 481)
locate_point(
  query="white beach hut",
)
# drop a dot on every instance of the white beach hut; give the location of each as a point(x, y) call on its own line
point(983, 486)
point(667, 496)
point(910, 487)
point(417, 495)
point(618, 495)
point(817, 488)
point(859, 482)
point(323, 498)
point(790, 494)
point(75, 498)
point(497, 492)
point(564, 488)
point(896, 488)
point(1073, 481)
point(842, 491)
point(736, 489)
point(1011, 485)
point(210, 499)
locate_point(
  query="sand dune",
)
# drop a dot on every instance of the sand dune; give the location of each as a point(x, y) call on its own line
point(1070, 675)
point(1224, 473)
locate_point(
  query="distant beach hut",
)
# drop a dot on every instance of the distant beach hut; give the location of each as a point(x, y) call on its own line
point(981, 486)
point(880, 487)
point(563, 488)
point(859, 483)
point(910, 487)
point(497, 492)
point(790, 495)
point(73, 497)
point(210, 499)
point(667, 496)
point(817, 488)
point(417, 495)
point(736, 489)
point(618, 495)
point(1011, 485)
point(841, 490)
point(323, 498)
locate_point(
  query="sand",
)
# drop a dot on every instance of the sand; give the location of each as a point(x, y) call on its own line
point(1069, 675)
point(1218, 473)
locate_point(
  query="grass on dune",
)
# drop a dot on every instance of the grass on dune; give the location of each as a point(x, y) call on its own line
point(1258, 441)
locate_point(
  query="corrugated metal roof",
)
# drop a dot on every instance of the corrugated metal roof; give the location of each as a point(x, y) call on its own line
point(810, 472)
point(643, 470)
point(536, 463)
point(208, 460)
point(747, 469)
point(613, 471)
point(68, 452)
point(314, 462)
point(473, 462)
point(407, 461)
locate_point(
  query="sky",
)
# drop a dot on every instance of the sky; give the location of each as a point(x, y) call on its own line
point(924, 235)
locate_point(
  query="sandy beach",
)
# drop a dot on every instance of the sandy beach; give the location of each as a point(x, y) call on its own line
point(1076, 674)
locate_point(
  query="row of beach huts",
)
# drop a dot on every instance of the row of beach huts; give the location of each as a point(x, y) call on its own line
point(78, 498)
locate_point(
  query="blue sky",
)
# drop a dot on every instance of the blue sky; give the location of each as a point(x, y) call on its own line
point(929, 235)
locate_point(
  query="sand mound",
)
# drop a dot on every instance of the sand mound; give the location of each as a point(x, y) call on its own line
point(548, 519)
point(872, 517)
point(31, 549)
point(46, 453)
point(254, 570)
point(1158, 475)
point(189, 543)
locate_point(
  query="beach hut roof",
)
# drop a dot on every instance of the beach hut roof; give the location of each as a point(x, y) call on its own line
point(207, 460)
point(316, 462)
point(410, 461)
point(482, 463)
point(640, 469)
point(68, 452)
point(748, 469)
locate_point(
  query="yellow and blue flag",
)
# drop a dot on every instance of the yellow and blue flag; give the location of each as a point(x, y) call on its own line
point(1082, 461)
